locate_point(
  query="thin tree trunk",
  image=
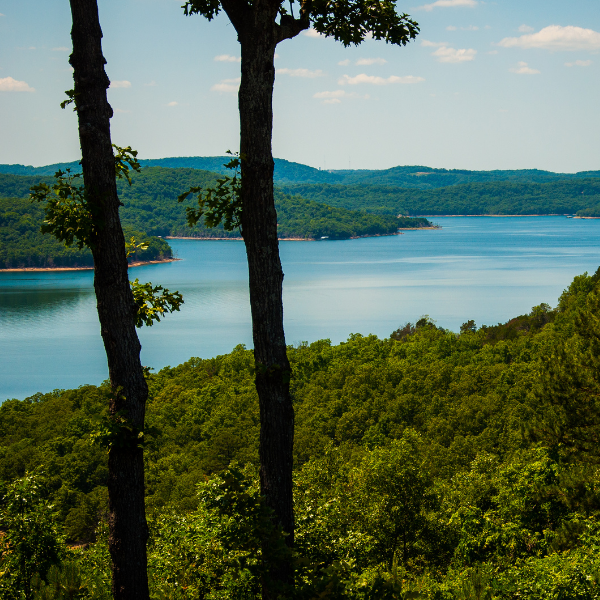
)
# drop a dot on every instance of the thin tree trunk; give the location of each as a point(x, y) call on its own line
point(116, 307)
point(259, 229)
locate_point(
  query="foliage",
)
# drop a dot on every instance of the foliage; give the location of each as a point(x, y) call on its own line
point(433, 465)
point(69, 215)
point(215, 551)
point(221, 204)
point(153, 302)
point(22, 244)
point(286, 172)
point(491, 198)
point(30, 542)
point(150, 205)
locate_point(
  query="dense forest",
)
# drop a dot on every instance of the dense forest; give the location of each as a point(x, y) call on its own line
point(499, 198)
point(418, 177)
point(593, 211)
point(151, 201)
point(150, 205)
point(431, 464)
point(22, 245)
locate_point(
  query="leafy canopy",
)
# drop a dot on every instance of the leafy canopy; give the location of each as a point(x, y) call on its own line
point(219, 204)
point(72, 218)
point(347, 21)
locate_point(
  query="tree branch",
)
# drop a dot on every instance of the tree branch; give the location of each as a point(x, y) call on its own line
point(289, 27)
point(239, 13)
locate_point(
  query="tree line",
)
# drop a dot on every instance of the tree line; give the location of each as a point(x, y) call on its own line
point(287, 172)
point(23, 245)
point(150, 205)
point(501, 198)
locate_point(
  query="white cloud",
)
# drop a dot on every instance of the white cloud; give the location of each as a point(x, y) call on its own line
point(227, 86)
point(523, 69)
point(61, 49)
point(300, 73)
point(8, 84)
point(447, 3)
point(335, 96)
point(525, 29)
point(344, 63)
point(227, 58)
point(469, 28)
point(429, 44)
point(151, 84)
point(453, 55)
point(2, 15)
point(371, 79)
point(312, 33)
point(492, 52)
point(120, 84)
point(173, 103)
point(556, 37)
point(579, 63)
point(370, 61)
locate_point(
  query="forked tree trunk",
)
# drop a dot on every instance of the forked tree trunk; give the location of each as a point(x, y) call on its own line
point(259, 230)
point(116, 307)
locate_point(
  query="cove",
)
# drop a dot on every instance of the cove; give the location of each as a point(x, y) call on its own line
point(489, 269)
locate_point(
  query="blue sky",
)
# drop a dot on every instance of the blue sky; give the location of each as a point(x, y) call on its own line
point(510, 84)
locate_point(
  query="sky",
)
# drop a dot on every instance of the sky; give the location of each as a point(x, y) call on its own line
point(510, 84)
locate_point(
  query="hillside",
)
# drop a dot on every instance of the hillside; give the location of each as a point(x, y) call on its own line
point(430, 464)
point(427, 178)
point(22, 245)
point(503, 197)
point(150, 205)
point(287, 172)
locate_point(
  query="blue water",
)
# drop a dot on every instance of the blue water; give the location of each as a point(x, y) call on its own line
point(483, 268)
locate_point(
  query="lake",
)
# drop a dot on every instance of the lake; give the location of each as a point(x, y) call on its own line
point(489, 269)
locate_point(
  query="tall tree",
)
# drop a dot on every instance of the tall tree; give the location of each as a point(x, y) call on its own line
point(117, 308)
point(260, 26)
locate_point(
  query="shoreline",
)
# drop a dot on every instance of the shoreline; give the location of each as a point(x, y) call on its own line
point(544, 215)
point(140, 263)
point(297, 239)
point(417, 228)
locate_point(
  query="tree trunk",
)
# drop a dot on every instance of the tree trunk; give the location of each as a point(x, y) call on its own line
point(259, 230)
point(116, 308)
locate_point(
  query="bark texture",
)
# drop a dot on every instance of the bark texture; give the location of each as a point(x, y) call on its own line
point(116, 308)
point(258, 38)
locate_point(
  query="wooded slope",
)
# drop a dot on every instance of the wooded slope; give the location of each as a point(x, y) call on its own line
point(432, 464)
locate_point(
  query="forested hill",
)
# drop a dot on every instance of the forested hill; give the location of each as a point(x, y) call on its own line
point(22, 245)
point(287, 172)
point(431, 465)
point(503, 198)
point(150, 205)
point(151, 202)
point(426, 178)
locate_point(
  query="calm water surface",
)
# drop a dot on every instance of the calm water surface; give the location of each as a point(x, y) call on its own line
point(483, 268)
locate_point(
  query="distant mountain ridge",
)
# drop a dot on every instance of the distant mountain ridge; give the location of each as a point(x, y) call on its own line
point(287, 172)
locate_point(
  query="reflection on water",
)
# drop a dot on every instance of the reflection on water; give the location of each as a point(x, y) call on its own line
point(19, 303)
point(486, 269)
